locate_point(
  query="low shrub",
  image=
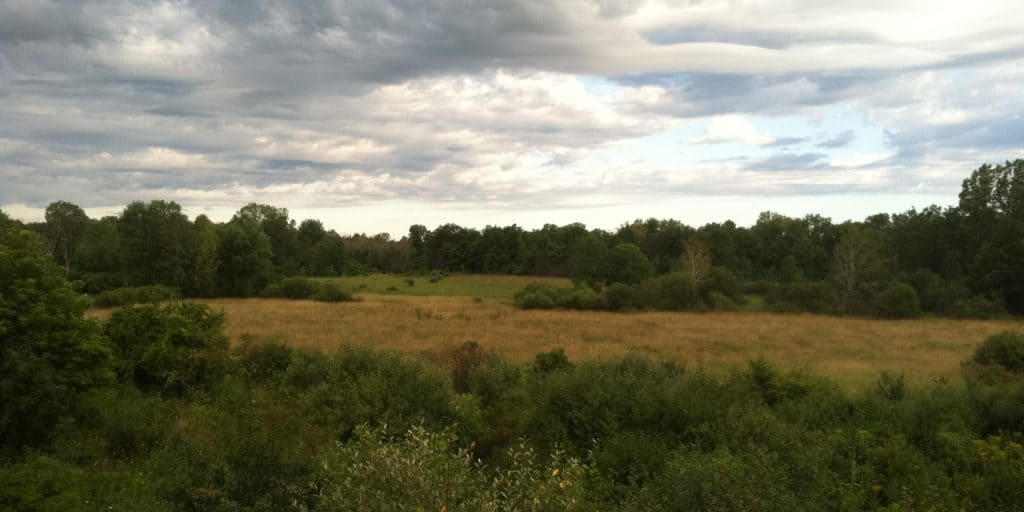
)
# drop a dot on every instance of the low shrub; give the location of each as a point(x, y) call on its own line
point(809, 296)
point(978, 306)
point(332, 292)
point(898, 300)
point(293, 288)
point(302, 288)
point(135, 295)
point(1005, 350)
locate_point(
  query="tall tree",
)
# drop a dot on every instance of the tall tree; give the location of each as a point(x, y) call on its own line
point(860, 266)
point(245, 256)
point(65, 225)
point(48, 350)
point(205, 258)
point(155, 238)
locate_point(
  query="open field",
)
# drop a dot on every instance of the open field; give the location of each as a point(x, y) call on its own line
point(852, 350)
point(456, 285)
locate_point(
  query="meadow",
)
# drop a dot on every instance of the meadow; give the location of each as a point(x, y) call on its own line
point(431, 319)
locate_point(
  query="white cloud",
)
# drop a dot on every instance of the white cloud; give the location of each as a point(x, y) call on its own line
point(733, 128)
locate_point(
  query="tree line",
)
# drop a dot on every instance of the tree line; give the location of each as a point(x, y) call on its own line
point(962, 258)
point(153, 408)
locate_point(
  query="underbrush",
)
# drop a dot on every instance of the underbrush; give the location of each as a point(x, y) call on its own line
point(301, 288)
point(134, 295)
point(193, 425)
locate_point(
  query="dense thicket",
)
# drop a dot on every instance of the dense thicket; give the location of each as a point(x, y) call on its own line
point(152, 410)
point(961, 260)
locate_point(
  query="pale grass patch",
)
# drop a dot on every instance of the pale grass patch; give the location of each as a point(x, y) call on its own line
point(852, 350)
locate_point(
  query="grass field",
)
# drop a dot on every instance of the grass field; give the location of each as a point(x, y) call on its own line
point(482, 286)
point(433, 318)
point(851, 350)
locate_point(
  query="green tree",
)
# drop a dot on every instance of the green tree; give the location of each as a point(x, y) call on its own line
point(860, 266)
point(99, 256)
point(205, 259)
point(628, 264)
point(281, 231)
point(245, 259)
point(48, 351)
point(155, 239)
point(65, 225)
point(588, 260)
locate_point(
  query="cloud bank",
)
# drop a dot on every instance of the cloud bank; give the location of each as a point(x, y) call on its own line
point(503, 104)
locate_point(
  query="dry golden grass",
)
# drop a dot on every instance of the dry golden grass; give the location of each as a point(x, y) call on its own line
point(852, 350)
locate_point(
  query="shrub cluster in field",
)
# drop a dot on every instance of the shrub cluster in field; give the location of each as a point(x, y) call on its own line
point(301, 288)
point(670, 292)
point(152, 410)
point(135, 295)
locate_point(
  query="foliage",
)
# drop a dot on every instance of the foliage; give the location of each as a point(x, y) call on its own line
point(897, 300)
point(135, 295)
point(1005, 350)
point(175, 349)
point(429, 471)
point(628, 264)
point(48, 352)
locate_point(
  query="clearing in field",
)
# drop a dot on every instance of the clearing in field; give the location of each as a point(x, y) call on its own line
point(851, 350)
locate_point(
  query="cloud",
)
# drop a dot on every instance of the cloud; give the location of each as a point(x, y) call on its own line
point(733, 128)
point(332, 103)
point(838, 141)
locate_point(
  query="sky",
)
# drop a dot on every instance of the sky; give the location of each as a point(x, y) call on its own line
point(372, 115)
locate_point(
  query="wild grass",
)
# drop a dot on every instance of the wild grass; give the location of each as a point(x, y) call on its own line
point(456, 285)
point(854, 351)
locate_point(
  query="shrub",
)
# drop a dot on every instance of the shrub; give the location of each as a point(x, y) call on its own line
point(552, 361)
point(332, 292)
point(725, 282)
point(1005, 350)
point(809, 296)
point(978, 306)
point(618, 297)
point(173, 349)
point(135, 295)
point(675, 292)
point(293, 288)
point(464, 360)
point(422, 470)
point(538, 296)
point(580, 298)
point(264, 360)
point(301, 288)
point(898, 300)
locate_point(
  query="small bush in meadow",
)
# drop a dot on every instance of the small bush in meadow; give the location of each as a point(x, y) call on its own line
point(135, 295)
point(332, 292)
point(898, 300)
point(1005, 350)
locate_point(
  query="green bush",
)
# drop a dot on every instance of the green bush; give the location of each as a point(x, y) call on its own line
point(580, 298)
point(175, 349)
point(808, 296)
point(537, 296)
point(898, 300)
point(1005, 350)
point(135, 295)
point(422, 470)
point(264, 360)
point(619, 297)
point(293, 288)
point(332, 292)
point(302, 288)
point(978, 306)
point(676, 292)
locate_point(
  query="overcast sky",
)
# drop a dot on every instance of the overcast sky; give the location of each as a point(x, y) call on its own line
point(376, 114)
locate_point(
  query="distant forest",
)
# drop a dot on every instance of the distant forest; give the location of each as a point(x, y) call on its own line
point(963, 260)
